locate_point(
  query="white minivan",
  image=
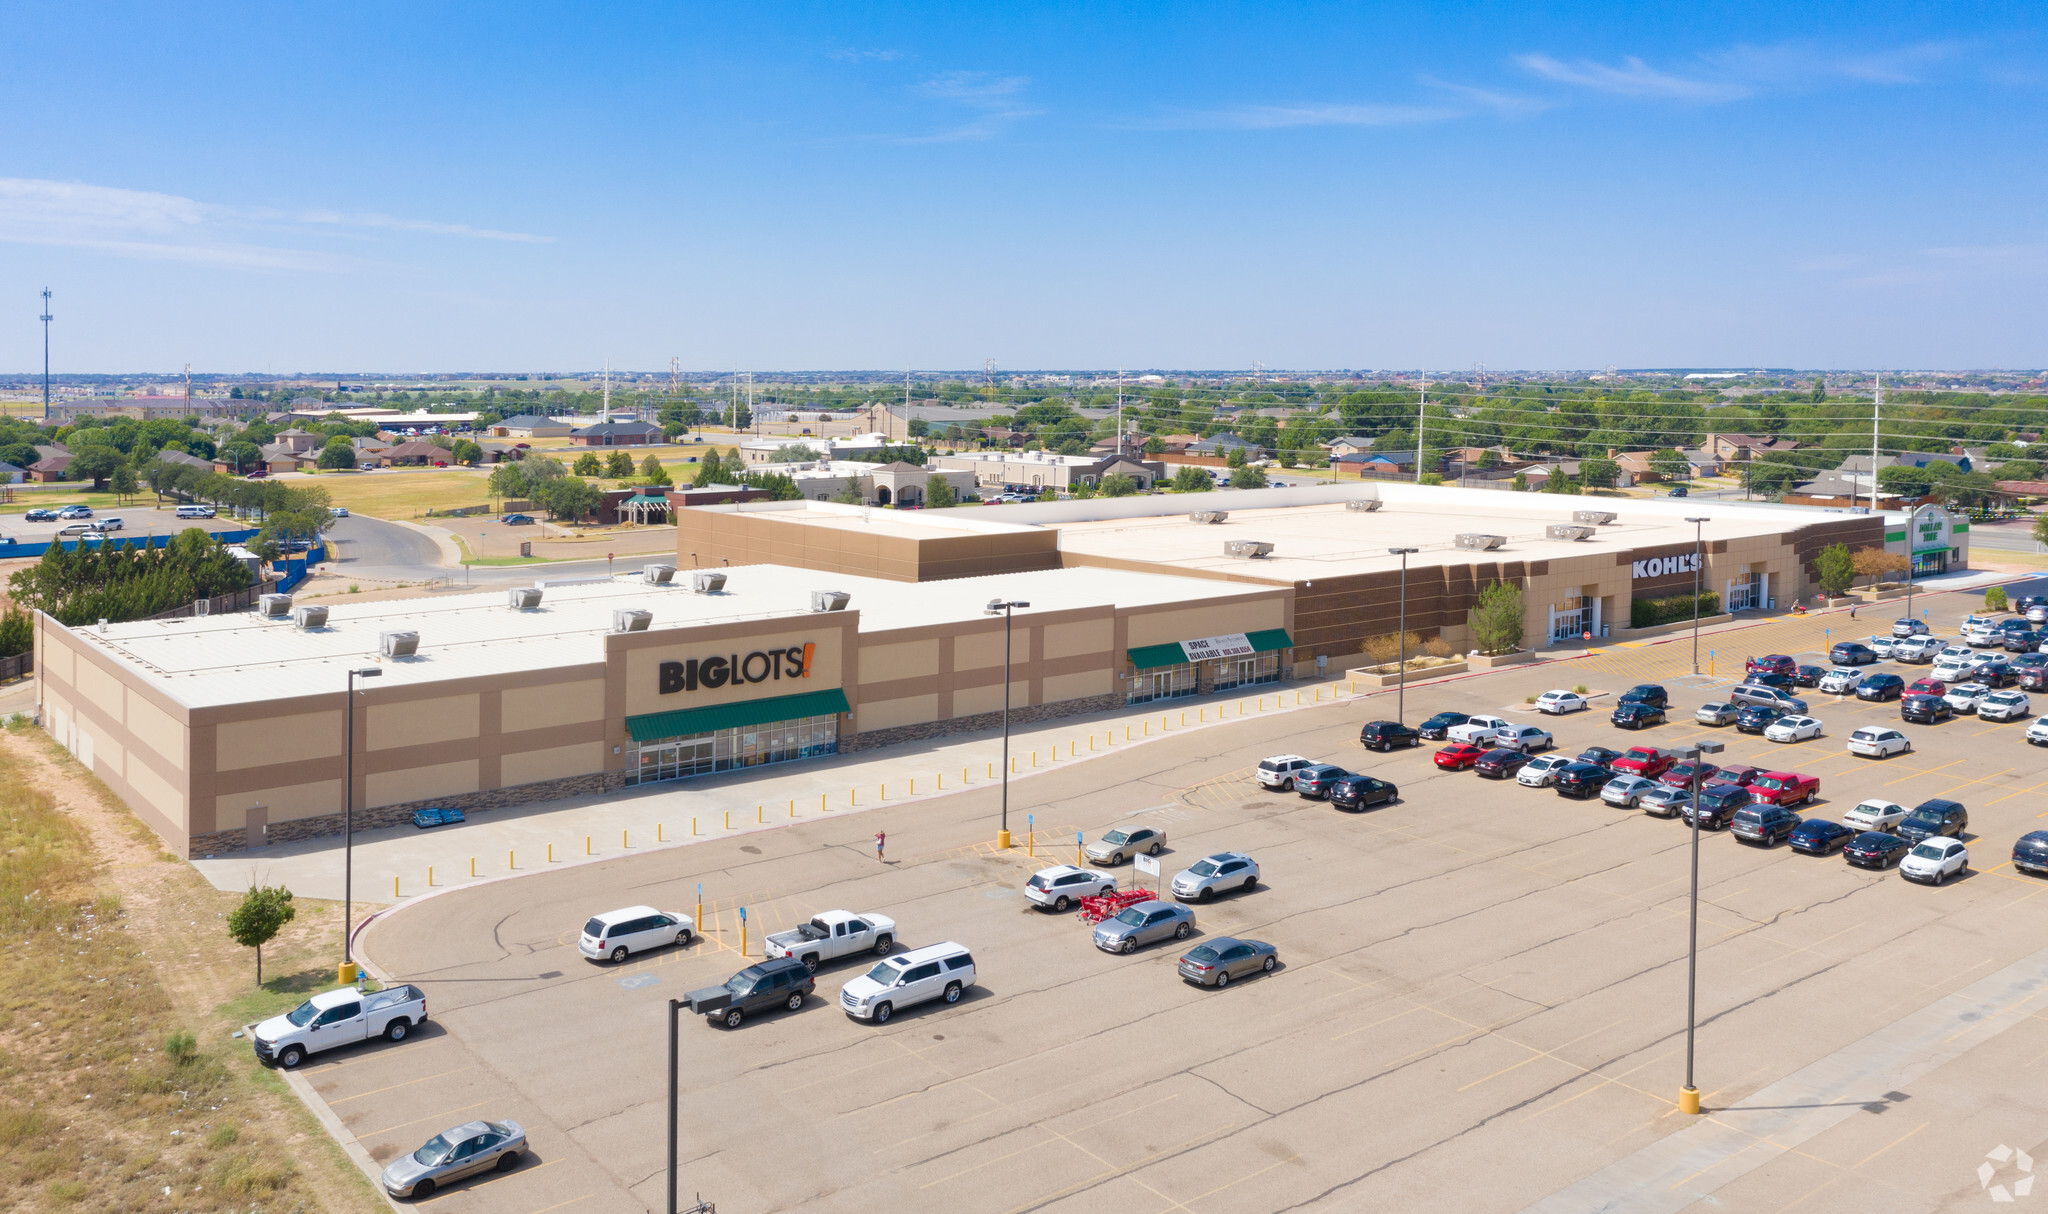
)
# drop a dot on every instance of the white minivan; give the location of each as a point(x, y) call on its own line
point(937, 971)
point(195, 512)
point(615, 934)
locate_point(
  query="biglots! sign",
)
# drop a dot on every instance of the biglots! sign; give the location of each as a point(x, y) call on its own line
point(1660, 566)
point(760, 666)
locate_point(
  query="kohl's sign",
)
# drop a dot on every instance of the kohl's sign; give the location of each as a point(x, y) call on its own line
point(760, 666)
point(1659, 566)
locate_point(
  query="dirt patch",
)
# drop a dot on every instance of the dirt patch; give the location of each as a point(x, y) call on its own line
point(121, 1085)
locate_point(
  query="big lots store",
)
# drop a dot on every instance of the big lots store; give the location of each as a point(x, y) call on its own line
point(227, 731)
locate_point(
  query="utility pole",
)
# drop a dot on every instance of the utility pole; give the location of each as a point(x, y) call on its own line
point(1421, 421)
point(188, 385)
point(1119, 410)
point(605, 415)
point(46, 353)
point(1876, 404)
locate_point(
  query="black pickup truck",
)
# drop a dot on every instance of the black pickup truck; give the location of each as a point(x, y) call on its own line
point(779, 982)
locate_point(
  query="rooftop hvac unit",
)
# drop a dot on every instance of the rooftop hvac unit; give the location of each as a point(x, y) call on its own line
point(523, 598)
point(657, 575)
point(1248, 549)
point(1208, 516)
point(829, 600)
point(706, 582)
point(274, 606)
point(1473, 539)
point(1596, 517)
point(631, 619)
point(1364, 505)
point(398, 644)
point(310, 617)
point(1569, 531)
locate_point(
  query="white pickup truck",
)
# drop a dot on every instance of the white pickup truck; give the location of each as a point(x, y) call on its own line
point(833, 934)
point(336, 1018)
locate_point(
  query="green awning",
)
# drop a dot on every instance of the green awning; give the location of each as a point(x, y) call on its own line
point(1147, 656)
point(681, 722)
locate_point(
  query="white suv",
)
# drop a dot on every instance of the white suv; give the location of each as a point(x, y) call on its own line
point(1542, 772)
point(1881, 742)
point(937, 971)
point(1063, 885)
point(1280, 770)
point(635, 929)
point(2037, 731)
point(2004, 706)
point(1840, 681)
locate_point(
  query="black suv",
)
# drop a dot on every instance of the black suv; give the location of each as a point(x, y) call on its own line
point(1386, 735)
point(1361, 792)
point(781, 982)
point(1880, 687)
point(2030, 854)
point(1931, 818)
point(1996, 673)
point(1582, 780)
point(1753, 718)
point(1438, 727)
point(1765, 824)
point(1719, 803)
point(1925, 710)
point(1646, 693)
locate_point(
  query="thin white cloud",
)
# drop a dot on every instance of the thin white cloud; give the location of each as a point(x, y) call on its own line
point(1796, 64)
point(1508, 105)
point(998, 101)
point(1631, 78)
point(855, 55)
point(169, 227)
point(1310, 114)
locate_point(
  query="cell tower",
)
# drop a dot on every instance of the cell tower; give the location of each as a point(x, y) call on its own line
point(675, 377)
point(46, 353)
point(1479, 377)
point(988, 373)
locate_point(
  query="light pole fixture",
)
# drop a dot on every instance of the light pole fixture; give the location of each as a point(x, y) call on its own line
point(348, 817)
point(1401, 670)
point(1689, 1096)
point(1698, 564)
point(1007, 609)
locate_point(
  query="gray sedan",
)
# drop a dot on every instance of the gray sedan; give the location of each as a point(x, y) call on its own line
point(1211, 875)
point(1124, 842)
point(470, 1148)
point(1143, 924)
point(1216, 962)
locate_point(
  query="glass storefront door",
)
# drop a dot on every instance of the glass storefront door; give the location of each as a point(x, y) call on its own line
point(1161, 683)
point(726, 749)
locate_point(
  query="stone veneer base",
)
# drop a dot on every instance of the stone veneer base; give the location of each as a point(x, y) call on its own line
point(295, 829)
point(1019, 715)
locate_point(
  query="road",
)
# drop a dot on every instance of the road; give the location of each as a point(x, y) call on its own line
point(377, 550)
point(1481, 994)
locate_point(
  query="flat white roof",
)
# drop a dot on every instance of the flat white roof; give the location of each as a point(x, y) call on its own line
point(241, 658)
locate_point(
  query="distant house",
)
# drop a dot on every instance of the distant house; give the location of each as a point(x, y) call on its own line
point(11, 475)
point(1351, 445)
point(1223, 444)
point(185, 458)
point(1920, 459)
point(616, 434)
point(1737, 448)
point(415, 453)
point(298, 440)
point(49, 468)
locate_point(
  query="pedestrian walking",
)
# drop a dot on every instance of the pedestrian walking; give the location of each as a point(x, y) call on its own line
point(1852, 611)
point(881, 838)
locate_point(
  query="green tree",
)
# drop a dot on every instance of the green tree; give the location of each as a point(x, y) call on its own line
point(509, 480)
point(263, 912)
point(939, 495)
point(1248, 477)
point(618, 465)
point(587, 465)
point(2041, 528)
point(1670, 465)
point(338, 453)
point(711, 470)
point(1117, 484)
point(1519, 482)
point(1834, 568)
point(1497, 619)
point(569, 497)
point(1600, 473)
point(17, 633)
point(1234, 457)
point(851, 494)
point(652, 472)
point(95, 463)
point(122, 482)
point(1188, 479)
point(1995, 599)
point(466, 451)
point(796, 453)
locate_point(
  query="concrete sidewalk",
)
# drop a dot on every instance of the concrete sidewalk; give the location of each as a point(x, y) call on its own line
point(393, 864)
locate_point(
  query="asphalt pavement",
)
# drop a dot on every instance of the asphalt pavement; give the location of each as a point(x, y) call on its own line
point(378, 550)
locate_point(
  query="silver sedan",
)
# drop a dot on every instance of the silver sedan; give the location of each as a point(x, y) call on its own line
point(1143, 924)
point(470, 1148)
point(1216, 962)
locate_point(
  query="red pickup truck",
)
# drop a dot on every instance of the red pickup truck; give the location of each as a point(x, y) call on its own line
point(1645, 761)
point(1784, 788)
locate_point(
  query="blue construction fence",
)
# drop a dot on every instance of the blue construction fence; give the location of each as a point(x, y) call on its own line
point(12, 548)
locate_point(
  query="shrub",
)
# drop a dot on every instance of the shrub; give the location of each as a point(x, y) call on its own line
point(1648, 613)
point(180, 1047)
point(1995, 599)
point(1496, 620)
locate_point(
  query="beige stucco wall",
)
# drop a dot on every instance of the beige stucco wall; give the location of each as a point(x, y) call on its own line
point(907, 660)
point(283, 803)
point(551, 705)
point(96, 686)
point(1080, 637)
point(1191, 623)
point(970, 700)
point(888, 714)
point(420, 783)
point(156, 729)
point(1076, 686)
point(265, 740)
point(423, 722)
point(552, 763)
point(975, 650)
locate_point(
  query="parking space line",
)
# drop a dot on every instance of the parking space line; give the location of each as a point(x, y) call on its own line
point(1536, 1053)
point(415, 1121)
point(445, 1193)
point(560, 1204)
point(332, 1067)
point(393, 1087)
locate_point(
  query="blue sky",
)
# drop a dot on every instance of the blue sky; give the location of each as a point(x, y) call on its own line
point(411, 187)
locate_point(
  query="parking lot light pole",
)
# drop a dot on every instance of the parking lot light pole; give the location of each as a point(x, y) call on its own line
point(1401, 670)
point(675, 1015)
point(348, 817)
point(1689, 1096)
point(1005, 608)
point(1698, 563)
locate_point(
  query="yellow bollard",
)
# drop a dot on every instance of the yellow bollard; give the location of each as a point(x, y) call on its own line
point(1091, 743)
point(509, 862)
point(1030, 844)
point(942, 781)
point(792, 807)
point(1688, 1100)
point(1034, 758)
point(1240, 708)
point(1183, 720)
point(728, 819)
point(657, 833)
point(913, 786)
point(1127, 733)
point(394, 887)
point(472, 866)
point(693, 828)
point(586, 845)
point(821, 802)
point(992, 771)
point(623, 845)
point(551, 853)
point(1148, 728)
point(853, 796)
point(430, 876)
point(743, 937)
point(759, 812)
point(699, 920)
point(884, 794)
point(1203, 715)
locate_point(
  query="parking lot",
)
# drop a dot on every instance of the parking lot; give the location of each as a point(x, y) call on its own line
point(1480, 1002)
